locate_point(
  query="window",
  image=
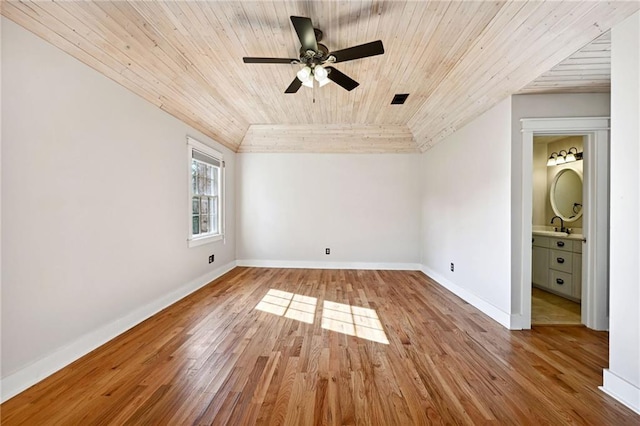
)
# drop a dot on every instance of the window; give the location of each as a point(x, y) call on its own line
point(206, 185)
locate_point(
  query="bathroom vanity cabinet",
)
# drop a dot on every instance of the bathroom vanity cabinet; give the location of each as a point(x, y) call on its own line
point(557, 265)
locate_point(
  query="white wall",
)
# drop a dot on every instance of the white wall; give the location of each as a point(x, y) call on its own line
point(465, 212)
point(94, 210)
point(622, 379)
point(364, 207)
point(539, 106)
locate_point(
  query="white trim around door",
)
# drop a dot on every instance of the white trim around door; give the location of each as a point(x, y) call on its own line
point(595, 265)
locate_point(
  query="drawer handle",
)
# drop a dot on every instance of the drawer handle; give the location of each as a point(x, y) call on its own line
point(560, 260)
point(559, 281)
point(560, 243)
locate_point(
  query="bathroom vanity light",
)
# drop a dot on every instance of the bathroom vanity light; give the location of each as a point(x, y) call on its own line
point(564, 157)
point(573, 156)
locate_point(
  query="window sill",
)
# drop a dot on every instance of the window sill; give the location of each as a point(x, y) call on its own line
point(195, 242)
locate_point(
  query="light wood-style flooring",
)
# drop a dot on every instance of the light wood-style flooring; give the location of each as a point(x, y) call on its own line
point(549, 309)
point(314, 353)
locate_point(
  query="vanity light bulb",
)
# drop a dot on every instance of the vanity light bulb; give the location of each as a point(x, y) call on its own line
point(560, 160)
point(551, 161)
point(570, 157)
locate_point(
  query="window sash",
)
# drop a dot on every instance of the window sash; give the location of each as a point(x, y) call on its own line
point(205, 194)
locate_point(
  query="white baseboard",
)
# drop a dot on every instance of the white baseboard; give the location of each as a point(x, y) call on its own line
point(487, 308)
point(28, 376)
point(258, 263)
point(618, 388)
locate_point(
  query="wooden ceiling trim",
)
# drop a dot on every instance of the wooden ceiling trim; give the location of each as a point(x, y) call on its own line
point(338, 138)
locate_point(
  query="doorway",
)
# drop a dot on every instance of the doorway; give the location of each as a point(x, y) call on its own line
point(594, 246)
point(557, 228)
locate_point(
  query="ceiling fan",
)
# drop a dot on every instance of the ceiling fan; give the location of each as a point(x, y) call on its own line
point(315, 57)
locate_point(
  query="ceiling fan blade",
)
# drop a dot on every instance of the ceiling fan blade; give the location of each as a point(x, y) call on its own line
point(356, 52)
point(341, 79)
point(294, 86)
point(269, 61)
point(306, 34)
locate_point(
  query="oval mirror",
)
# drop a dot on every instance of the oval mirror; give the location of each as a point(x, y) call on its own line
point(566, 195)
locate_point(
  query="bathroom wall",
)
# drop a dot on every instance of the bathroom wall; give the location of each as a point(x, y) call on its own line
point(540, 192)
point(557, 146)
point(543, 177)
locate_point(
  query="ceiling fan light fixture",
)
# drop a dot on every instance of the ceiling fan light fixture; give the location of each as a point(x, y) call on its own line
point(324, 82)
point(304, 75)
point(319, 73)
point(308, 83)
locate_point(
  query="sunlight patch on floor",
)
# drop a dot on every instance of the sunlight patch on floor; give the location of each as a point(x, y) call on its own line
point(339, 317)
point(353, 320)
point(290, 305)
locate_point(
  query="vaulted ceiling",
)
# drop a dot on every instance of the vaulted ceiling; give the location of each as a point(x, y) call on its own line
point(455, 59)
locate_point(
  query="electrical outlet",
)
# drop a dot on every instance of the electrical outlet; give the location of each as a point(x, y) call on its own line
point(451, 266)
point(327, 251)
point(211, 258)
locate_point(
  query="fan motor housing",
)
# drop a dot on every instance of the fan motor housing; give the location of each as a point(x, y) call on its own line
point(314, 57)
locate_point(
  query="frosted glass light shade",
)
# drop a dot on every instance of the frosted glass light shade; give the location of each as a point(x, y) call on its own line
point(320, 73)
point(304, 74)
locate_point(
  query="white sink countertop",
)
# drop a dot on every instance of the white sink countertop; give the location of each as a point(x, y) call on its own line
point(546, 232)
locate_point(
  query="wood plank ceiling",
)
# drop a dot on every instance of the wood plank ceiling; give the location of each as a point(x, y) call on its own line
point(456, 59)
point(588, 70)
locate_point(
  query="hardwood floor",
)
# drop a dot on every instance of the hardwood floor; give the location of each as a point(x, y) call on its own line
point(549, 309)
point(212, 358)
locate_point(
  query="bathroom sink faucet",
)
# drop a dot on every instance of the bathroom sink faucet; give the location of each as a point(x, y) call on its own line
point(562, 228)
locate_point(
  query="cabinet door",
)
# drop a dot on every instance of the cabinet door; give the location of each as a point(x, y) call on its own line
point(577, 275)
point(540, 266)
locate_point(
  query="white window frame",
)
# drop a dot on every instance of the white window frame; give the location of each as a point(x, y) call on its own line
point(200, 239)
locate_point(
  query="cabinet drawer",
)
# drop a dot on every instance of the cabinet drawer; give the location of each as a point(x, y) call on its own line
point(561, 282)
point(541, 241)
point(561, 260)
point(560, 244)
